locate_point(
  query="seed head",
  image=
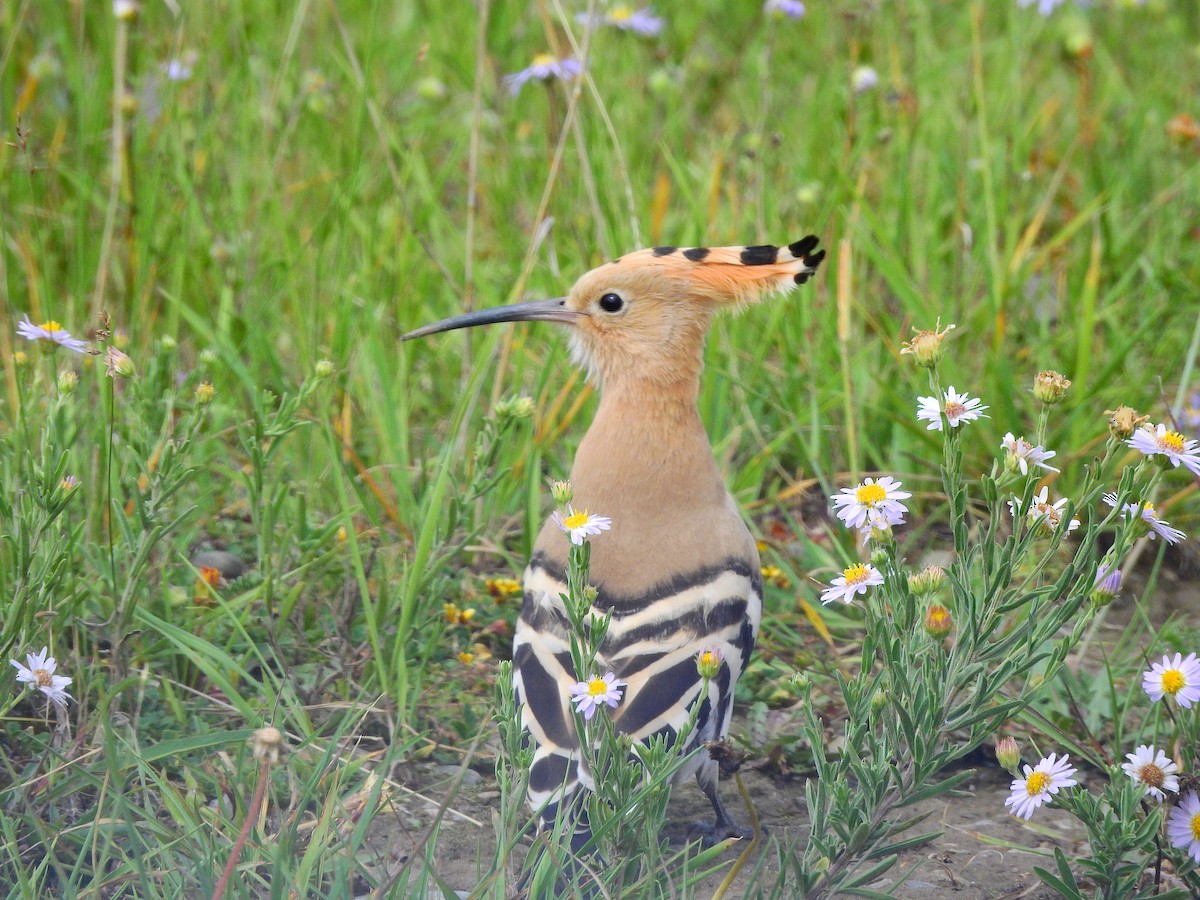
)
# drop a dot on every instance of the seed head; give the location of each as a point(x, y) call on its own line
point(266, 744)
point(1050, 386)
point(926, 346)
point(1123, 422)
point(117, 364)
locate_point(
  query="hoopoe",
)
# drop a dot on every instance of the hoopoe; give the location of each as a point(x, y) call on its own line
point(679, 570)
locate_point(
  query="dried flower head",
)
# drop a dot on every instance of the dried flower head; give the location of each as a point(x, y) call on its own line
point(117, 364)
point(1123, 422)
point(266, 744)
point(926, 346)
point(1050, 386)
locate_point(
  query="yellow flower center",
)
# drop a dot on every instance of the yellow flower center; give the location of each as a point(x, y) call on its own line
point(1151, 775)
point(620, 13)
point(856, 574)
point(1036, 783)
point(870, 494)
point(708, 658)
point(576, 520)
point(1173, 681)
point(954, 410)
point(597, 687)
point(1196, 827)
point(543, 59)
point(1172, 442)
point(50, 326)
point(44, 678)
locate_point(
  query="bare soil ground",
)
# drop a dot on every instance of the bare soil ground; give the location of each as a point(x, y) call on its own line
point(983, 851)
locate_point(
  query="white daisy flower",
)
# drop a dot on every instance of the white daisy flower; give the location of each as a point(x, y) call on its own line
point(1174, 446)
point(1040, 784)
point(1043, 514)
point(864, 79)
point(1022, 454)
point(1153, 771)
point(1145, 512)
point(543, 68)
point(1178, 677)
point(1183, 825)
point(881, 496)
point(581, 525)
point(854, 580)
point(958, 408)
point(588, 695)
point(641, 22)
point(50, 331)
point(792, 9)
point(39, 673)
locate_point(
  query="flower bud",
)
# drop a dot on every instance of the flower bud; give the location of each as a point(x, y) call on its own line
point(708, 663)
point(515, 408)
point(167, 342)
point(1106, 585)
point(67, 382)
point(68, 484)
point(1123, 422)
point(879, 556)
point(562, 494)
point(938, 622)
point(204, 393)
point(1008, 754)
point(590, 594)
point(1050, 386)
point(208, 356)
point(928, 581)
point(880, 699)
point(926, 346)
point(20, 359)
point(323, 369)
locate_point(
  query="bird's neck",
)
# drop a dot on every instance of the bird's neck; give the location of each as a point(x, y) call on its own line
point(646, 447)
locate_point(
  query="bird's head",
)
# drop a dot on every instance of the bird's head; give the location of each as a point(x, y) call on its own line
point(644, 316)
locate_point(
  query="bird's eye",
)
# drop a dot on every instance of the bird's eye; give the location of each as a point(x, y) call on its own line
point(611, 303)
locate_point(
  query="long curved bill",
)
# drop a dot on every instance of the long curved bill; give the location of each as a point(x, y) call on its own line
point(533, 311)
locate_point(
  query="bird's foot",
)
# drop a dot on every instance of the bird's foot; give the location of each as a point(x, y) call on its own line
point(712, 833)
